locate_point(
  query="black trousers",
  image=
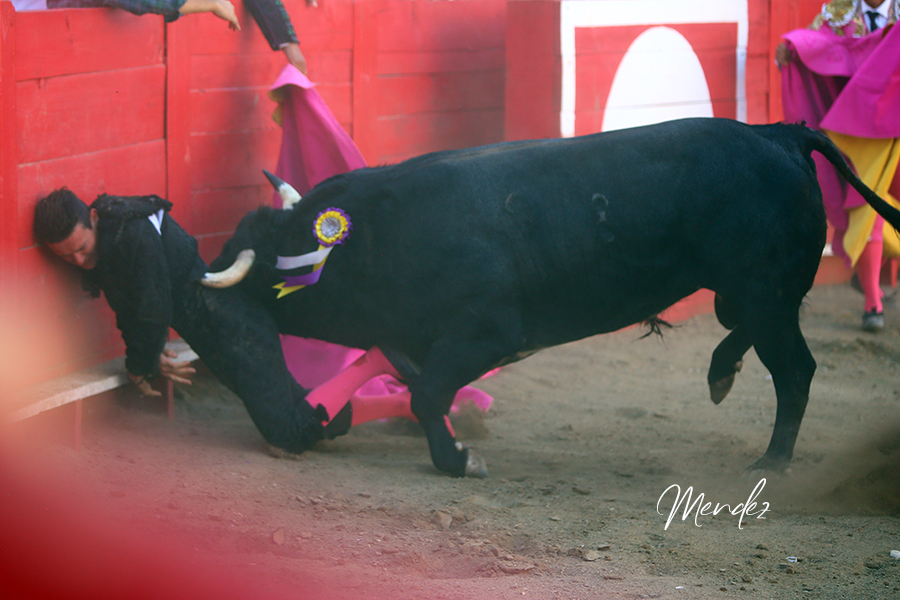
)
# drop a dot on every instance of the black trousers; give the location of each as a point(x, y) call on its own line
point(239, 343)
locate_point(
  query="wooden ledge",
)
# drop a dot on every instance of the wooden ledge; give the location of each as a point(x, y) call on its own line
point(84, 383)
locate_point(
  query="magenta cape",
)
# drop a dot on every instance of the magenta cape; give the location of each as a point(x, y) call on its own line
point(315, 147)
point(847, 85)
point(844, 84)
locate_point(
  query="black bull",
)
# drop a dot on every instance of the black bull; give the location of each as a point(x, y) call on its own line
point(461, 261)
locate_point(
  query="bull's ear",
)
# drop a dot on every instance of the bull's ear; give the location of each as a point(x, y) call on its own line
point(289, 196)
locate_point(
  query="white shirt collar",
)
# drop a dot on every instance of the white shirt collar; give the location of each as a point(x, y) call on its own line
point(156, 219)
point(882, 9)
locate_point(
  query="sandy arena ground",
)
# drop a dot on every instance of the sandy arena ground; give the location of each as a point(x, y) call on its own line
point(581, 442)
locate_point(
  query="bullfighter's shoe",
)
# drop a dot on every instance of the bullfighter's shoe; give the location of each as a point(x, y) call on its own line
point(873, 322)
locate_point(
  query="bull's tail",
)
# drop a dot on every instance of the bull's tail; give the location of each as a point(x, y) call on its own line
point(818, 141)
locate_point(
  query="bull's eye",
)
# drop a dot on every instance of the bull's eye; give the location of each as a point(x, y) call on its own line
point(332, 227)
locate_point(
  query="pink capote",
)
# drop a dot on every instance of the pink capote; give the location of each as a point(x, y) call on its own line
point(314, 147)
point(847, 85)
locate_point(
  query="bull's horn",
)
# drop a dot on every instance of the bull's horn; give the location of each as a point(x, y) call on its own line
point(233, 274)
point(289, 196)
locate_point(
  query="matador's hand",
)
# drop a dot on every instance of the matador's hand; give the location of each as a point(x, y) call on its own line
point(179, 372)
point(143, 385)
point(295, 57)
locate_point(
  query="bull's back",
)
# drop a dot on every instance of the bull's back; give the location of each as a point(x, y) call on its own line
point(571, 237)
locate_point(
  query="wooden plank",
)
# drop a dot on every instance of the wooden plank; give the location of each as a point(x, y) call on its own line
point(365, 79)
point(230, 71)
point(98, 339)
point(220, 210)
point(329, 66)
point(79, 418)
point(210, 246)
point(138, 169)
point(725, 109)
point(589, 121)
point(533, 67)
point(441, 92)
point(178, 122)
point(418, 134)
point(339, 99)
point(34, 327)
point(425, 25)
point(84, 384)
point(442, 61)
point(779, 24)
point(757, 88)
point(233, 159)
point(716, 47)
point(327, 27)
point(211, 36)
point(758, 27)
point(596, 72)
point(60, 329)
point(758, 108)
point(65, 42)
point(218, 71)
point(721, 72)
point(9, 156)
point(618, 39)
point(240, 109)
point(69, 388)
point(100, 110)
point(601, 50)
point(43, 273)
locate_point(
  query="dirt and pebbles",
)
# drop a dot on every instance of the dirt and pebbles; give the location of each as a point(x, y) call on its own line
point(581, 443)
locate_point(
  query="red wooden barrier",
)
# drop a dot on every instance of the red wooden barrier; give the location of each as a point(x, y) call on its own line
point(101, 100)
point(104, 101)
point(8, 155)
point(76, 114)
point(564, 58)
point(426, 72)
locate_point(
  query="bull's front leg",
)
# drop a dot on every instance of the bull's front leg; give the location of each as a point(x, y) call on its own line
point(451, 363)
point(448, 455)
point(430, 403)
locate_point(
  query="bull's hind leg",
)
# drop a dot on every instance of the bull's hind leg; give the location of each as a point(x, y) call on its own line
point(782, 349)
point(728, 357)
point(727, 360)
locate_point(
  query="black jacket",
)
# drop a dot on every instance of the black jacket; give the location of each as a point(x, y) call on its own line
point(143, 273)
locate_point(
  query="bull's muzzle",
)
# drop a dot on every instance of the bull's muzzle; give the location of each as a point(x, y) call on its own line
point(233, 274)
point(289, 196)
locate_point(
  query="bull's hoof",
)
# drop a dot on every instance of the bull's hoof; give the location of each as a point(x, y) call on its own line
point(719, 389)
point(768, 465)
point(475, 465)
point(277, 452)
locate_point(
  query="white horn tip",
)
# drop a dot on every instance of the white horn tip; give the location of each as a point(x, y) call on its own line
point(289, 196)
